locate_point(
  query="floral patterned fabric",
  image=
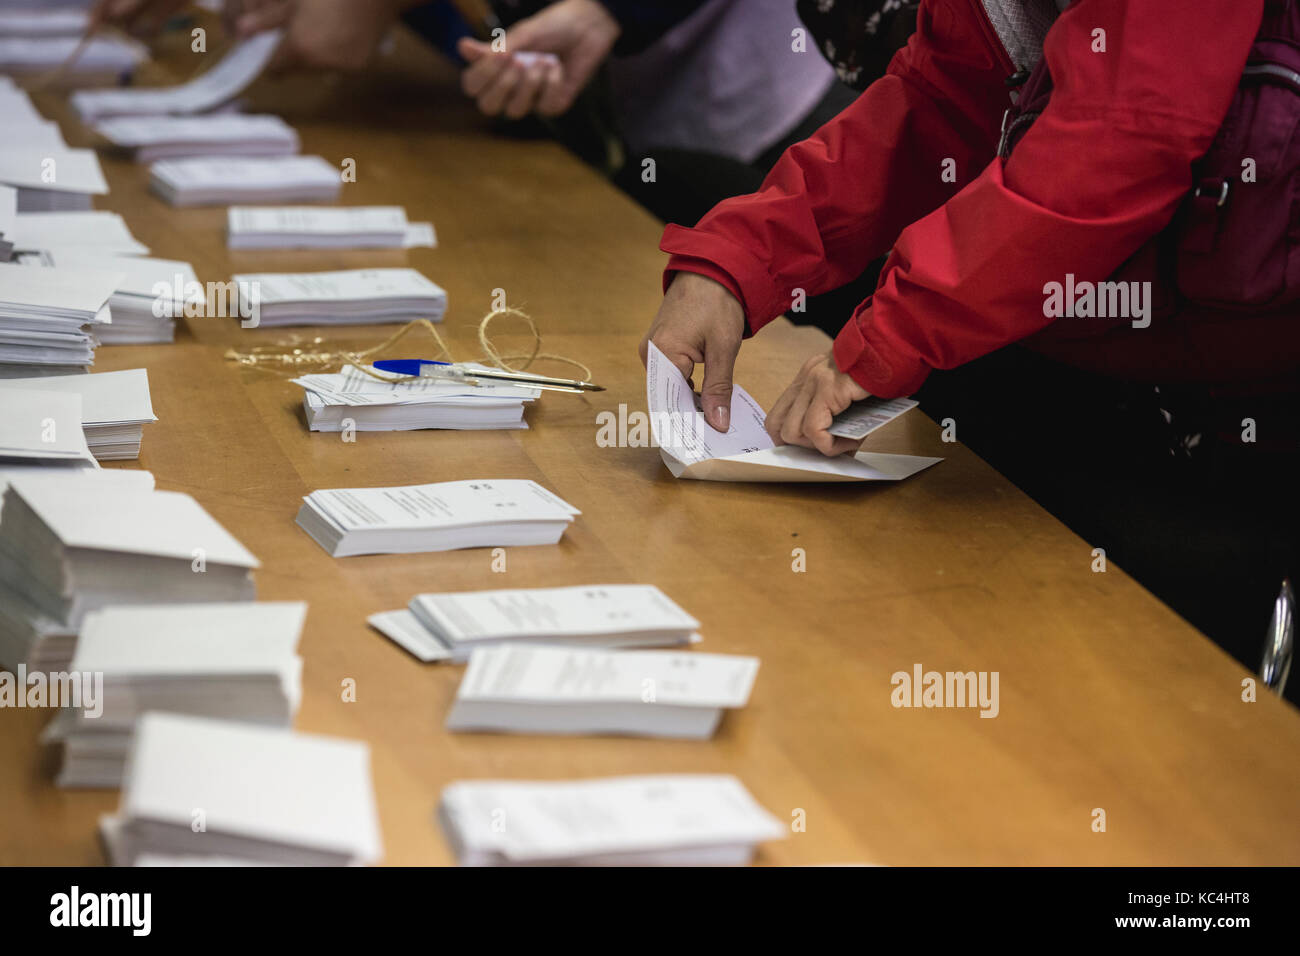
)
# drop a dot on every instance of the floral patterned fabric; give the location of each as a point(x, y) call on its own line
point(859, 37)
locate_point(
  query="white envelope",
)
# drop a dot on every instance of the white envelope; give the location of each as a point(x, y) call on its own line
point(692, 449)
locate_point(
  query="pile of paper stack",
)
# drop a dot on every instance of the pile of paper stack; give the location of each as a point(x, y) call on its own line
point(225, 661)
point(263, 795)
point(71, 551)
point(47, 317)
point(374, 404)
point(659, 820)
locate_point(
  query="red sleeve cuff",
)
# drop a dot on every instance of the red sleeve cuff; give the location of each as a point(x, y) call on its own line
point(881, 372)
point(724, 261)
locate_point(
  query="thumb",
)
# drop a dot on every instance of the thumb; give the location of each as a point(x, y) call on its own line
point(532, 34)
point(255, 19)
point(472, 50)
point(715, 393)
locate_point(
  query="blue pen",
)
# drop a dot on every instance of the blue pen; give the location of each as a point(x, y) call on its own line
point(427, 368)
point(406, 366)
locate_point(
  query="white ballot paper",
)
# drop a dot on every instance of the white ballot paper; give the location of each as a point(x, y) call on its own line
point(205, 92)
point(404, 629)
point(692, 449)
point(29, 169)
point(434, 517)
point(221, 134)
point(328, 227)
point(42, 426)
point(862, 418)
point(663, 819)
point(520, 688)
point(603, 615)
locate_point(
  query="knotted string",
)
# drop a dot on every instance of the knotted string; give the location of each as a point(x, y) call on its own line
point(294, 358)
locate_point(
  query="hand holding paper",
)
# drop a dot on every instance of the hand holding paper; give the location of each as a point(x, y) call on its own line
point(691, 448)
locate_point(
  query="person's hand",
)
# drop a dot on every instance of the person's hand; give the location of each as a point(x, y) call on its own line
point(319, 34)
point(243, 18)
point(700, 321)
point(803, 413)
point(580, 35)
point(138, 17)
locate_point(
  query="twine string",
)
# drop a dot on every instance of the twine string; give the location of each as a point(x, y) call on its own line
point(295, 358)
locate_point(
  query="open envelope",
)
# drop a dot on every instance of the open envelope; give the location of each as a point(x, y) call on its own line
point(692, 449)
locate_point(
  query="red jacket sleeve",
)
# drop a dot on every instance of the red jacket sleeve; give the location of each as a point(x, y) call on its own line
point(838, 200)
point(1099, 173)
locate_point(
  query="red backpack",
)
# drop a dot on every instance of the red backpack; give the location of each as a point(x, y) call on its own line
point(1234, 243)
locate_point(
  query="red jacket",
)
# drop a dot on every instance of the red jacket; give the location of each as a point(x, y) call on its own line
point(1097, 175)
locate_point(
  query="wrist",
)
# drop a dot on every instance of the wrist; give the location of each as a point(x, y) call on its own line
point(708, 294)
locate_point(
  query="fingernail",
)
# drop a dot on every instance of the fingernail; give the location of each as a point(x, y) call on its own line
point(722, 416)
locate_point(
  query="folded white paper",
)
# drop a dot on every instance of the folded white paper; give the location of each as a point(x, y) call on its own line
point(105, 233)
point(265, 795)
point(212, 88)
point(231, 661)
point(691, 448)
point(115, 407)
point(43, 175)
point(41, 426)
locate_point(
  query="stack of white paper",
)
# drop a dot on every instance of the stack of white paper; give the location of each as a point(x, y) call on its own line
point(47, 317)
point(25, 131)
point(110, 543)
point(352, 297)
point(96, 232)
point(435, 517)
point(450, 626)
point(224, 661)
point(8, 216)
point(52, 180)
point(150, 295)
point(29, 20)
point(152, 138)
point(211, 89)
point(115, 407)
point(314, 227)
point(103, 54)
point(42, 427)
point(265, 796)
point(333, 400)
point(220, 182)
point(40, 134)
point(28, 635)
point(16, 107)
point(123, 477)
point(25, 128)
point(31, 638)
point(556, 690)
point(658, 820)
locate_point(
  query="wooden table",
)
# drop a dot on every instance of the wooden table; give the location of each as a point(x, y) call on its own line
point(1108, 699)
